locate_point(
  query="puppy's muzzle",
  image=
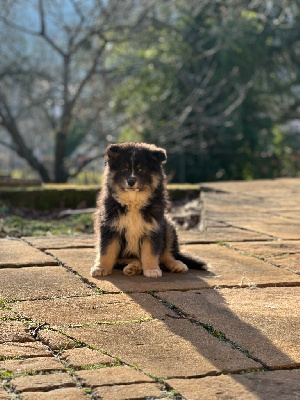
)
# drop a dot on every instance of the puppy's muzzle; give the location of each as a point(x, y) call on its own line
point(131, 181)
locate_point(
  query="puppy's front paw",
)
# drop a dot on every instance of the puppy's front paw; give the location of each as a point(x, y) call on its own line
point(177, 266)
point(153, 273)
point(132, 269)
point(99, 270)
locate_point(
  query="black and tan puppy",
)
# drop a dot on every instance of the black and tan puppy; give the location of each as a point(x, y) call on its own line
point(131, 225)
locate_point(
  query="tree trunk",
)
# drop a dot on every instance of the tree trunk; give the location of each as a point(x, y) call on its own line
point(60, 172)
point(35, 164)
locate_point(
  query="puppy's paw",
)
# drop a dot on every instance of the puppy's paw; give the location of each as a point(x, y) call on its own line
point(99, 270)
point(132, 269)
point(153, 273)
point(177, 266)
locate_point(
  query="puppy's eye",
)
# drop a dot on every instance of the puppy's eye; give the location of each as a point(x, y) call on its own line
point(140, 170)
point(125, 169)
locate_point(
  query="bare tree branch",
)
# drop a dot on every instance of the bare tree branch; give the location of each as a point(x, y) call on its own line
point(7, 145)
point(8, 122)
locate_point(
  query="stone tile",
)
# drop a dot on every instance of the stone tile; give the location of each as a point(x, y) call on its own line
point(221, 233)
point(81, 260)
point(256, 320)
point(57, 394)
point(283, 385)
point(27, 349)
point(231, 268)
point(55, 340)
point(290, 261)
point(268, 249)
point(228, 267)
point(41, 382)
point(92, 309)
point(255, 209)
point(15, 253)
point(171, 348)
point(293, 214)
point(39, 283)
point(266, 224)
point(111, 376)
point(14, 331)
point(6, 313)
point(61, 242)
point(83, 356)
point(4, 395)
point(45, 364)
point(125, 392)
point(284, 253)
point(259, 187)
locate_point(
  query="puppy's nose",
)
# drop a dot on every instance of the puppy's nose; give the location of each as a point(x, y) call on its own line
point(131, 181)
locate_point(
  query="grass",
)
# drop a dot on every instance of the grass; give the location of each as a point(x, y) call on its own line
point(15, 226)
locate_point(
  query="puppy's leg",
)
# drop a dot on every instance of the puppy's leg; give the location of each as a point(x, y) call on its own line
point(134, 267)
point(172, 264)
point(149, 260)
point(171, 246)
point(106, 259)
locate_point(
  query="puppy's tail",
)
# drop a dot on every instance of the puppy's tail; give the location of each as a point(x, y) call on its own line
point(191, 261)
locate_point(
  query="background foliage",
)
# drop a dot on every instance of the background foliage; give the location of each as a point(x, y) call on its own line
point(214, 82)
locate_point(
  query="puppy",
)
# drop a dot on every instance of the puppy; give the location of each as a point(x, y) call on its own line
point(131, 225)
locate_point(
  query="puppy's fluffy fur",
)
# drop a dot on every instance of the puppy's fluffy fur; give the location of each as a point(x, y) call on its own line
point(131, 225)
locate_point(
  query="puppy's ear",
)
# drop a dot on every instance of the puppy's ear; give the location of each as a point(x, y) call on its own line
point(159, 155)
point(112, 151)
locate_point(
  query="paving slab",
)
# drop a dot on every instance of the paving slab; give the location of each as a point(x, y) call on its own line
point(14, 331)
point(4, 395)
point(256, 320)
point(124, 392)
point(15, 253)
point(83, 356)
point(57, 394)
point(55, 340)
point(61, 242)
point(38, 364)
point(41, 382)
point(291, 262)
point(228, 268)
point(279, 228)
point(215, 234)
point(92, 309)
point(173, 348)
point(264, 223)
point(6, 313)
point(81, 260)
point(283, 385)
point(271, 212)
point(26, 349)
point(258, 187)
point(231, 268)
point(255, 204)
point(283, 253)
point(39, 283)
point(293, 214)
point(269, 248)
point(111, 376)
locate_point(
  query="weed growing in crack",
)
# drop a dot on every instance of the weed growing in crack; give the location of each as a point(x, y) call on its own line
point(4, 374)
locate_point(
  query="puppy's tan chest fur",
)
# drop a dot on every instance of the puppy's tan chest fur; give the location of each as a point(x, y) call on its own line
point(134, 225)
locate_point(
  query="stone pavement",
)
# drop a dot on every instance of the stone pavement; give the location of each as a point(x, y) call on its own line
point(232, 332)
